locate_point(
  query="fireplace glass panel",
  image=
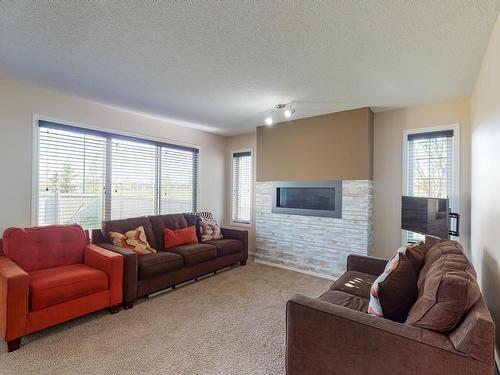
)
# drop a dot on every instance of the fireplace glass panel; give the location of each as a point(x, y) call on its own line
point(309, 198)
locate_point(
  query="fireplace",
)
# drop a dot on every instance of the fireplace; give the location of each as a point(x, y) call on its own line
point(318, 198)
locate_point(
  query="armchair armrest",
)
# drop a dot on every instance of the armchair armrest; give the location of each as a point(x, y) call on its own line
point(14, 290)
point(130, 270)
point(237, 234)
point(366, 264)
point(112, 264)
point(323, 338)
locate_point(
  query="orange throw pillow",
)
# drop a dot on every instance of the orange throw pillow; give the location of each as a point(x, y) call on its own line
point(172, 238)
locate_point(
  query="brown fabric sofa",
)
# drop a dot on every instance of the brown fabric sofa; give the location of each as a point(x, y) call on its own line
point(334, 334)
point(146, 274)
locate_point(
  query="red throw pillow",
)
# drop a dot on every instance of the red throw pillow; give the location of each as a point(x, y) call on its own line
point(172, 238)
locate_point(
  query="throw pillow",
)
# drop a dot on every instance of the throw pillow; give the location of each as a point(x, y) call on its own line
point(415, 253)
point(134, 240)
point(450, 289)
point(209, 227)
point(172, 238)
point(394, 292)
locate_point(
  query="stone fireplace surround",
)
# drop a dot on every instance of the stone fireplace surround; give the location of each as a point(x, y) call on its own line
point(315, 245)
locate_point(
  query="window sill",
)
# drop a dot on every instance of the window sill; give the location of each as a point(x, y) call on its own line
point(237, 224)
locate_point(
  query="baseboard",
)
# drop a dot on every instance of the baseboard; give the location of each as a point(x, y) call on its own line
point(323, 276)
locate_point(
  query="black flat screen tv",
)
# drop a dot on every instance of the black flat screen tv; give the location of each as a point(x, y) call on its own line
point(427, 216)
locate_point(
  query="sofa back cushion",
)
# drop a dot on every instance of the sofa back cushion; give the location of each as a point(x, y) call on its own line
point(449, 291)
point(170, 221)
point(40, 248)
point(125, 225)
point(438, 250)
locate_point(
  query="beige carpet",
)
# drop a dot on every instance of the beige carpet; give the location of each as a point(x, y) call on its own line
point(231, 323)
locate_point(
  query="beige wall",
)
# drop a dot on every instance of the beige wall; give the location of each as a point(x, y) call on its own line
point(234, 143)
point(387, 166)
point(18, 104)
point(336, 146)
point(485, 223)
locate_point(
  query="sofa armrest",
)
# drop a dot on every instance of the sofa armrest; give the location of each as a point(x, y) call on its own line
point(366, 264)
point(323, 338)
point(14, 290)
point(237, 234)
point(111, 263)
point(130, 270)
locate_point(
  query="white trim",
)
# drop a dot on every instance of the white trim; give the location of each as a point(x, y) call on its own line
point(36, 146)
point(235, 223)
point(321, 275)
point(456, 163)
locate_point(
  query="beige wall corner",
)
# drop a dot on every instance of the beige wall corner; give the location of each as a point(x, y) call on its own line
point(485, 218)
point(388, 166)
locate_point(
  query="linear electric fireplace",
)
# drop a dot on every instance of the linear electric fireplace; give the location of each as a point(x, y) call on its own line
point(318, 198)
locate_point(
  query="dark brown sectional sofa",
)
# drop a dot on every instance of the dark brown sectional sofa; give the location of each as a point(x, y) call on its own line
point(146, 274)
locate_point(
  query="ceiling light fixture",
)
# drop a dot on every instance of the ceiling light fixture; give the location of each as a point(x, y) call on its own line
point(284, 110)
point(269, 121)
point(287, 113)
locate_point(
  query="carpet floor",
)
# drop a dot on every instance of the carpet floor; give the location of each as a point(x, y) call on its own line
point(230, 323)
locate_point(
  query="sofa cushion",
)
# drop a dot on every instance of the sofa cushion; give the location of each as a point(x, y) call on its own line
point(56, 285)
point(438, 250)
point(195, 253)
point(134, 240)
point(394, 292)
point(226, 246)
point(170, 221)
point(344, 299)
point(45, 247)
point(177, 237)
point(153, 264)
point(209, 227)
point(124, 225)
point(449, 291)
point(355, 283)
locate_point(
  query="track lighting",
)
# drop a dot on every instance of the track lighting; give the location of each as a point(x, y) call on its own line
point(287, 113)
point(269, 121)
point(281, 110)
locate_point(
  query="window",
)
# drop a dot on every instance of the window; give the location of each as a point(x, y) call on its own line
point(431, 166)
point(241, 187)
point(86, 176)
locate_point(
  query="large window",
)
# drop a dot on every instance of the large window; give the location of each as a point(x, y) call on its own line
point(241, 206)
point(86, 176)
point(431, 166)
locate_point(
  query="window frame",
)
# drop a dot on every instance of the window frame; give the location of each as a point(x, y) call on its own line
point(35, 162)
point(232, 222)
point(455, 199)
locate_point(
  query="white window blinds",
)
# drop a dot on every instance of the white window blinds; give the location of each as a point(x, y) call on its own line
point(179, 180)
point(241, 187)
point(430, 167)
point(86, 176)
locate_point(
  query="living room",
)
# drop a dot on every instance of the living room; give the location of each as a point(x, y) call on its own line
point(249, 188)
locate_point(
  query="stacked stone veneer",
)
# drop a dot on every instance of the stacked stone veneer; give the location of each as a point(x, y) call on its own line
point(315, 244)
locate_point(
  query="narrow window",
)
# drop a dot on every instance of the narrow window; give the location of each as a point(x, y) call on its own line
point(241, 187)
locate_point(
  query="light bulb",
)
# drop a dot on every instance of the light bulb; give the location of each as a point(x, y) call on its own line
point(288, 113)
point(269, 120)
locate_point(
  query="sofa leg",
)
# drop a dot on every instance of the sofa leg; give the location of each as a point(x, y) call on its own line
point(114, 309)
point(173, 286)
point(14, 344)
point(128, 304)
point(243, 262)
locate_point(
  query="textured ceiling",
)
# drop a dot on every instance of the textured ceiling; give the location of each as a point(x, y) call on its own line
point(224, 64)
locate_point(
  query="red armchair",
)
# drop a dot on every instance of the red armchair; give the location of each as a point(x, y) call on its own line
point(49, 275)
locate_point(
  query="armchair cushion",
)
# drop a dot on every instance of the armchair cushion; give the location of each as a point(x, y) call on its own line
point(56, 285)
point(45, 247)
point(226, 246)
